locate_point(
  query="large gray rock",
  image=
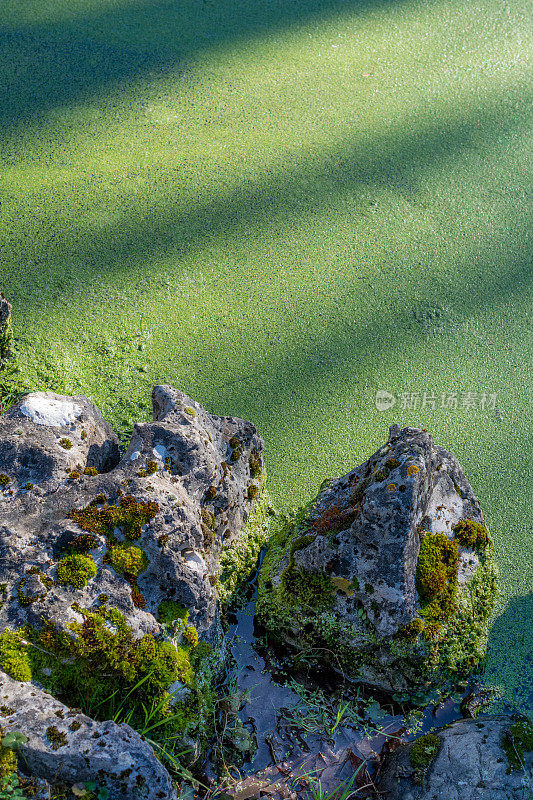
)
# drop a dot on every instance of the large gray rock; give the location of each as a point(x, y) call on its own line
point(471, 764)
point(342, 576)
point(185, 501)
point(69, 747)
point(200, 488)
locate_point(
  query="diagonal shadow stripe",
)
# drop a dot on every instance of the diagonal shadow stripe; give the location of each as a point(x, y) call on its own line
point(52, 64)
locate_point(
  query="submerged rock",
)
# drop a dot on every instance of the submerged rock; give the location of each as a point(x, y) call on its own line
point(467, 760)
point(388, 573)
point(111, 568)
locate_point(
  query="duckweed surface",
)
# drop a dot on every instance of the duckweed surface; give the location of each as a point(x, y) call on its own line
point(284, 208)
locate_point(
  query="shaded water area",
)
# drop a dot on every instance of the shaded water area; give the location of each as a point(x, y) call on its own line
point(297, 720)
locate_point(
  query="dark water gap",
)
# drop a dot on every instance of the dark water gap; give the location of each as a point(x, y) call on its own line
point(285, 714)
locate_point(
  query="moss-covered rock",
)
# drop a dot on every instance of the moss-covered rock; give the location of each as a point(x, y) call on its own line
point(467, 759)
point(374, 580)
point(517, 742)
point(113, 579)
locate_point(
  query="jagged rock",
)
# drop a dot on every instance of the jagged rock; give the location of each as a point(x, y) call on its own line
point(72, 748)
point(201, 494)
point(85, 534)
point(470, 764)
point(345, 576)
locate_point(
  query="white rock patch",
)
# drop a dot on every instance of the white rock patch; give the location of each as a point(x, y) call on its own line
point(53, 413)
point(195, 562)
point(160, 451)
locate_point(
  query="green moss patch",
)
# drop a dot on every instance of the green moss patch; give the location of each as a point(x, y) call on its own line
point(129, 517)
point(239, 558)
point(423, 753)
point(517, 741)
point(471, 534)
point(104, 657)
point(14, 658)
point(127, 559)
point(169, 611)
point(76, 570)
point(436, 576)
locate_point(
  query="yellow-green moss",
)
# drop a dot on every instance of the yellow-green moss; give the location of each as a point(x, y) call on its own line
point(517, 741)
point(169, 611)
point(104, 657)
point(413, 629)
point(151, 467)
point(65, 443)
point(190, 634)
point(436, 576)
point(471, 534)
point(240, 557)
point(129, 517)
point(74, 475)
point(423, 753)
point(14, 658)
point(76, 570)
point(128, 559)
point(8, 762)
point(5, 480)
point(91, 471)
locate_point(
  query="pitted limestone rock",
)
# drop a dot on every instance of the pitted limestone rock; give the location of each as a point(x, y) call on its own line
point(361, 537)
point(85, 534)
point(195, 469)
point(68, 747)
point(470, 764)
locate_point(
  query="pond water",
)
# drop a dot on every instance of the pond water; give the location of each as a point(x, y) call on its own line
point(291, 712)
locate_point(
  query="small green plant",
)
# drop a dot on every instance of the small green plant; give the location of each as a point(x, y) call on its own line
point(10, 788)
point(315, 791)
point(9, 782)
point(90, 791)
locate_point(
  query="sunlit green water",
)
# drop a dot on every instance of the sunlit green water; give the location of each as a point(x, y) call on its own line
point(280, 208)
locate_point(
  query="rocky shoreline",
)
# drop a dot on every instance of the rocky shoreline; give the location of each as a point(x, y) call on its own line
point(115, 572)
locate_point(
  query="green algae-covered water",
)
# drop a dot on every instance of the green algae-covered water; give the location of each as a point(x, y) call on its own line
point(283, 207)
